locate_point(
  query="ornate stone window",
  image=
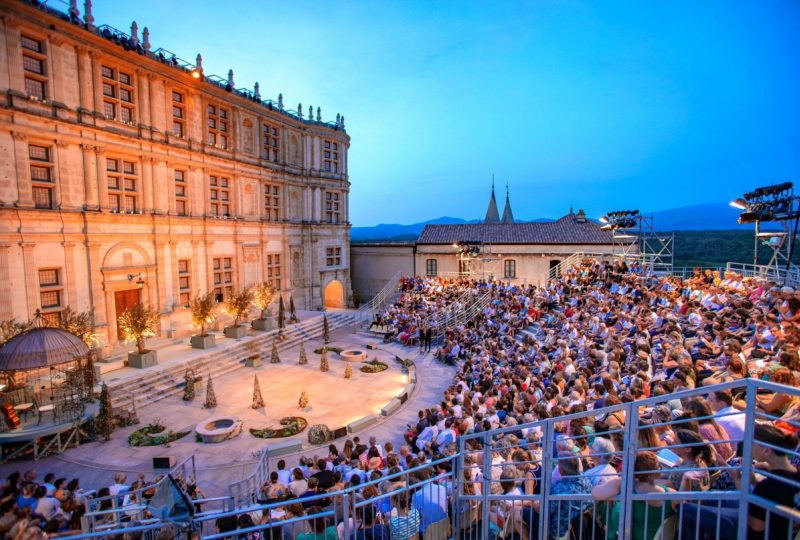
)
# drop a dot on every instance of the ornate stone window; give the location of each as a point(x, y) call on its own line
point(42, 175)
point(274, 270)
point(123, 185)
point(220, 194)
point(223, 277)
point(270, 142)
point(181, 193)
point(118, 94)
point(178, 114)
point(34, 65)
point(272, 202)
point(184, 281)
point(333, 256)
point(51, 294)
point(333, 212)
point(330, 156)
point(218, 120)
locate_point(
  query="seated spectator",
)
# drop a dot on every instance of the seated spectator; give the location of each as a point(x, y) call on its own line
point(320, 530)
point(404, 521)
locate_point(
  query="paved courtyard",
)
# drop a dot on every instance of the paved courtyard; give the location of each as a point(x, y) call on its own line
point(333, 400)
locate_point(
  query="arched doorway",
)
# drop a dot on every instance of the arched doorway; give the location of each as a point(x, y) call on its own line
point(334, 294)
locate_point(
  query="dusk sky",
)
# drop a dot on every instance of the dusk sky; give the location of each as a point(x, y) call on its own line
point(602, 105)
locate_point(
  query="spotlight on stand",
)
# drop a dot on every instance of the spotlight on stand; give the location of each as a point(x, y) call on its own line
point(739, 203)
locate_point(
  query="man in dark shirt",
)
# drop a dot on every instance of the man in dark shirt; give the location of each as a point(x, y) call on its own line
point(324, 476)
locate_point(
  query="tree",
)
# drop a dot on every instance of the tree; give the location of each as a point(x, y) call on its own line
point(326, 331)
point(88, 374)
point(275, 359)
point(258, 401)
point(348, 371)
point(79, 324)
point(292, 313)
point(303, 401)
point(281, 313)
point(202, 307)
point(323, 361)
point(263, 295)
point(188, 390)
point(105, 423)
point(303, 357)
point(238, 304)
point(11, 328)
point(211, 397)
point(137, 323)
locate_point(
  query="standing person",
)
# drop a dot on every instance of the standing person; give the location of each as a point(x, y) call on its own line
point(428, 338)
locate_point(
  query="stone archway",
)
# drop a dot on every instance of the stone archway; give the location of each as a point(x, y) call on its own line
point(334, 294)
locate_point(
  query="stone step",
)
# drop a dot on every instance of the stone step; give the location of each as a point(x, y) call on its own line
point(151, 387)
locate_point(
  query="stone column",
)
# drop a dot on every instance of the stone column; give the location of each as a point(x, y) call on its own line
point(69, 271)
point(24, 189)
point(209, 260)
point(14, 55)
point(318, 204)
point(169, 178)
point(161, 276)
point(176, 289)
point(101, 301)
point(143, 85)
point(109, 314)
point(31, 278)
point(147, 185)
point(89, 178)
point(85, 78)
point(97, 82)
point(57, 75)
point(102, 182)
point(62, 195)
point(199, 279)
point(6, 308)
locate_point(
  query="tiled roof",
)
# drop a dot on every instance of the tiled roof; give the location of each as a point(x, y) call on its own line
point(567, 230)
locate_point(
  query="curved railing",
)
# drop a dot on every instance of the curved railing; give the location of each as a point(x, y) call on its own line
point(366, 313)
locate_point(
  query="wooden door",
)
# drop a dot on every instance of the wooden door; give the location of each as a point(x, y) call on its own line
point(122, 301)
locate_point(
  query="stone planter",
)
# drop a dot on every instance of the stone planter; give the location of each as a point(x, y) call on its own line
point(203, 342)
point(264, 325)
point(141, 361)
point(253, 361)
point(235, 332)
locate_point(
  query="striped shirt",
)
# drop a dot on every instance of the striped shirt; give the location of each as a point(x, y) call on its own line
point(404, 527)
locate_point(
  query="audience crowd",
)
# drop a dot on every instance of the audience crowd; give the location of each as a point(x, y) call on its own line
point(599, 336)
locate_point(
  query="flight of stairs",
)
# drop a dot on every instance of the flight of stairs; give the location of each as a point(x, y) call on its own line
point(155, 384)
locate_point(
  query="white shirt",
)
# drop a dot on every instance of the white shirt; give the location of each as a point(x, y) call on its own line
point(600, 474)
point(733, 422)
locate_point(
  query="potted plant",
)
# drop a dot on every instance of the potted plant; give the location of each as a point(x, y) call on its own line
point(202, 308)
point(263, 295)
point(237, 305)
point(137, 323)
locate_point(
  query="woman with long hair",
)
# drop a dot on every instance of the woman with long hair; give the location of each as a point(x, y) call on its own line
point(710, 430)
point(695, 459)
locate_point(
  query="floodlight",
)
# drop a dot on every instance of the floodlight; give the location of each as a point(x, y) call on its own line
point(739, 203)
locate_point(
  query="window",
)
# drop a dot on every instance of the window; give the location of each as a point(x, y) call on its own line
point(34, 67)
point(270, 142)
point(332, 212)
point(42, 175)
point(431, 267)
point(510, 269)
point(220, 194)
point(330, 156)
point(181, 197)
point(117, 94)
point(272, 202)
point(333, 256)
point(51, 294)
point(274, 270)
point(122, 186)
point(223, 277)
point(184, 281)
point(178, 114)
point(218, 125)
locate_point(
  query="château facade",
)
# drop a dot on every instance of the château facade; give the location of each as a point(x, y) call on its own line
point(127, 175)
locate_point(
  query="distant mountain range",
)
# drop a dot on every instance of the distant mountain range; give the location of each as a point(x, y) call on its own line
point(698, 217)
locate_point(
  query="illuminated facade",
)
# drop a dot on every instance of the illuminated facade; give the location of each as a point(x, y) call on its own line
point(127, 174)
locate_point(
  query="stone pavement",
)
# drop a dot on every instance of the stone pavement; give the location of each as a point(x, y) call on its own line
point(218, 465)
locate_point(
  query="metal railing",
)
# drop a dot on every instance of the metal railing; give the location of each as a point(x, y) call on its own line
point(245, 491)
point(461, 317)
point(778, 274)
point(366, 313)
point(560, 268)
point(533, 481)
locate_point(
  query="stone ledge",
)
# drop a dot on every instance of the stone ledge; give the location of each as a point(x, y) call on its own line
point(284, 447)
point(390, 407)
point(362, 423)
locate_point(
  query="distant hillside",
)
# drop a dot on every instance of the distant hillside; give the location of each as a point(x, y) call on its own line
point(698, 217)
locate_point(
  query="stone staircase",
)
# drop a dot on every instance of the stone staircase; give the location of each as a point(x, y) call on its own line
point(160, 382)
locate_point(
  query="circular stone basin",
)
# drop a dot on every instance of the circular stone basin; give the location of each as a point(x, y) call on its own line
point(353, 355)
point(218, 429)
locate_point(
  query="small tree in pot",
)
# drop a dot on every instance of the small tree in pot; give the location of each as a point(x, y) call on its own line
point(263, 295)
point(202, 308)
point(292, 312)
point(237, 306)
point(281, 314)
point(137, 323)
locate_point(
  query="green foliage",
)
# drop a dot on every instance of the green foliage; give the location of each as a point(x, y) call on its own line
point(281, 313)
point(154, 435)
point(374, 366)
point(326, 331)
point(188, 389)
point(137, 323)
point(303, 357)
point(292, 425)
point(79, 324)
point(292, 313)
point(263, 295)
point(202, 308)
point(337, 350)
point(348, 371)
point(708, 249)
point(88, 374)
point(105, 423)
point(11, 328)
point(274, 358)
point(323, 361)
point(258, 400)
point(211, 396)
point(238, 304)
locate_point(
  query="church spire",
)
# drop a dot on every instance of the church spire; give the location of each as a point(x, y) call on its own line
point(492, 215)
point(508, 215)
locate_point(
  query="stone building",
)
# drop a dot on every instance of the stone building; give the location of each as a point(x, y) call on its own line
point(127, 174)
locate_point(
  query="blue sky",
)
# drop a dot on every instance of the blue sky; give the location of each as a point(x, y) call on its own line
point(603, 105)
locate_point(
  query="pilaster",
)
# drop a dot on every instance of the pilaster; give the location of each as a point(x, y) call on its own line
point(6, 308)
point(24, 189)
point(31, 279)
point(102, 183)
point(90, 179)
